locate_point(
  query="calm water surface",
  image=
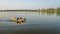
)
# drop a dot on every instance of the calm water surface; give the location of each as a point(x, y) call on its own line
point(36, 23)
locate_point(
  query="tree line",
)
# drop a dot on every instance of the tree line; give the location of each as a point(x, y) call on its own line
point(50, 9)
point(42, 10)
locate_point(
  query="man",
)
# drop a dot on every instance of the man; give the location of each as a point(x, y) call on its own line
point(20, 20)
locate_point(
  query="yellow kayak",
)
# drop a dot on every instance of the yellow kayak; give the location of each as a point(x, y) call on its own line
point(13, 19)
point(18, 21)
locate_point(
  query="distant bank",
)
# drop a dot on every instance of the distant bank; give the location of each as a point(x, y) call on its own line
point(43, 10)
point(18, 10)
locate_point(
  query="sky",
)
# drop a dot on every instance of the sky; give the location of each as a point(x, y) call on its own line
point(28, 4)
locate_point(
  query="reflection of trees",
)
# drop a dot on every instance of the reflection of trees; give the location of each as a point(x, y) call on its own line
point(43, 11)
point(50, 13)
point(58, 13)
point(38, 12)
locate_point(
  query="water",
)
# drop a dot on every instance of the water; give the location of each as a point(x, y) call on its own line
point(36, 23)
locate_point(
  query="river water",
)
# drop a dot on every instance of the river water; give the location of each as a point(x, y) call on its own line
point(36, 23)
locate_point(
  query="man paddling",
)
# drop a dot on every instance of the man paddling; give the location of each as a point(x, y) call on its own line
point(20, 20)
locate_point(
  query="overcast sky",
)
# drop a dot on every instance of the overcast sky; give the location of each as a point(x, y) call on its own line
point(28, 4)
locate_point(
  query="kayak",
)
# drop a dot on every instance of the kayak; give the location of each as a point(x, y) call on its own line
point(18, 21)
point(13, 19)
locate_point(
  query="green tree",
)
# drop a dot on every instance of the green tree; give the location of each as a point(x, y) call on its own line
point(50, 9)
point(43, 10)
point(58, 9)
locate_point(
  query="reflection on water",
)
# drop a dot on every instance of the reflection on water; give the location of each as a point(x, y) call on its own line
point(31, 16)
point(36, 23)
point(51, 13)
point(58, 13)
